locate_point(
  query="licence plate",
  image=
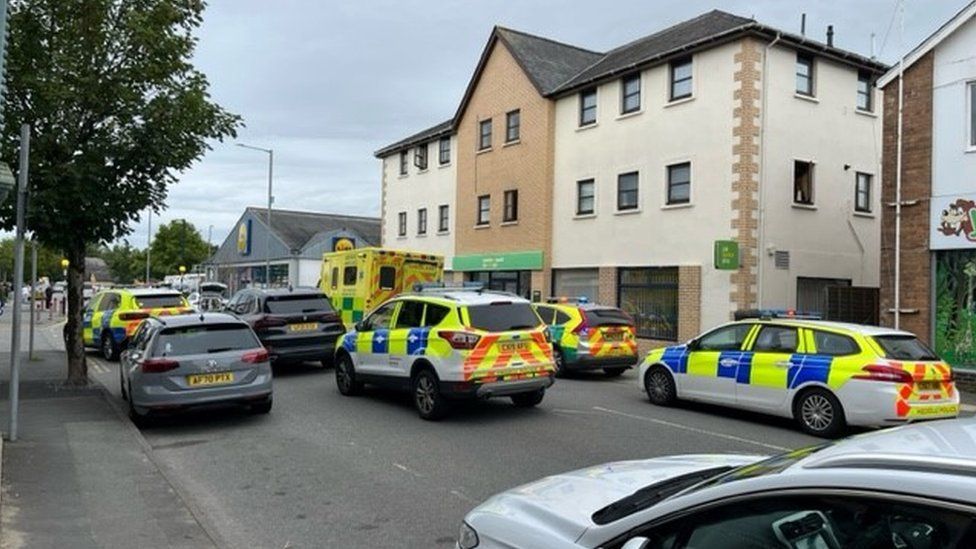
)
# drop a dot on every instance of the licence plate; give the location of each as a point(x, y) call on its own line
point(513, 347)
point(928, 385)
point(613, 336)
point(210, 379)
point(303, 326)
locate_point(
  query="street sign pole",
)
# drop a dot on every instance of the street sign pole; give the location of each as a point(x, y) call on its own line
point(18, 282)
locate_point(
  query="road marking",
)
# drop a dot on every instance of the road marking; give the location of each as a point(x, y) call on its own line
point(692, 429)
point(568, 411)
point(406, 469)
point(464, 497)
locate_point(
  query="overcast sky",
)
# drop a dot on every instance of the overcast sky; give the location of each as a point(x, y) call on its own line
point(326, 83)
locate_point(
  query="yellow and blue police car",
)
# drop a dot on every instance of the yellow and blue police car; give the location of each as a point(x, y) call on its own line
point(449, 343)
point(112, 316)
point(586, 336)
point(825, 375)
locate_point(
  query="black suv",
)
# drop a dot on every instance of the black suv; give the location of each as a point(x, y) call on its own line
point(294, 325)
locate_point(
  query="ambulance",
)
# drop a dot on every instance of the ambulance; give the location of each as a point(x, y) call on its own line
point(358, 280)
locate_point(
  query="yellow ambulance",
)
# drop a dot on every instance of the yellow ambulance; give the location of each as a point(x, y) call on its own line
point(358, 280)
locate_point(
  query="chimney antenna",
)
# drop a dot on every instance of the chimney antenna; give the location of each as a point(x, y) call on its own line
point(830, 35)
point(803, 24)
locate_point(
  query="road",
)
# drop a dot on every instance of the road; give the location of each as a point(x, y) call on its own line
point(327, 470)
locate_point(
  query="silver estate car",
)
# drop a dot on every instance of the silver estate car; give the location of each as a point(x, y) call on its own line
point(911, 487)
point(178, 362)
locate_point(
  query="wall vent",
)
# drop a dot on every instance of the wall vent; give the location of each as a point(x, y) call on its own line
point(782, 259)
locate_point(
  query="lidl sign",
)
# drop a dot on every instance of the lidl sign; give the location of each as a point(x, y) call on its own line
point(726, 255)
point(244, 237)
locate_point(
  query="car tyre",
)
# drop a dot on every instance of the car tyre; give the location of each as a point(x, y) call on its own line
point(559, 363)
point(529, 400)
point(262, 407)
point(819, 413)
point(139, 418)
point(659, 386)
point(614, 372)
point(427, 398)
point(110, 349)
point(346, 380)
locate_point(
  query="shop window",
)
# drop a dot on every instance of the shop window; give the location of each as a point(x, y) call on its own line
point(576, 283)
point(650, 296)
point(387, 278)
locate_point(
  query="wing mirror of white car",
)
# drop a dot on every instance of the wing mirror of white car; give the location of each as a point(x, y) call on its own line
point(637, 543)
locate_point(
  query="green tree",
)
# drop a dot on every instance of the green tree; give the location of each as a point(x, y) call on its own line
point(48, 261)
point(177, 243)
point(117, 110)
point(127, 264)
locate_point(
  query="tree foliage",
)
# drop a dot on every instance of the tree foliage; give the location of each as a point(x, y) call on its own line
point(117, 111)
point(177, 243)
point(128, 264)
point(48, 261)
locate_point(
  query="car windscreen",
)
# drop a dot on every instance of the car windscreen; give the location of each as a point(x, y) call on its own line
point(904, 347)
point(297, 304)
point(503, 316)
point(158, 301)
point(204, 339)
point(607, 317)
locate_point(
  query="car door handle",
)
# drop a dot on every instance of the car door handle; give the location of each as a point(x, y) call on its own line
point(784, 363)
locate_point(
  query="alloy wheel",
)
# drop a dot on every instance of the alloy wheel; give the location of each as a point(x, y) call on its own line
point(817, 412)
point(424, 394)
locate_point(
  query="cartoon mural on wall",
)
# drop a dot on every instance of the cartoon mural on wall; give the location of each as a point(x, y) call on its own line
point(958, 219)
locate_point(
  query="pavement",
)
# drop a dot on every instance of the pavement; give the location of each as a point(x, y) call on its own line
point(321, 470)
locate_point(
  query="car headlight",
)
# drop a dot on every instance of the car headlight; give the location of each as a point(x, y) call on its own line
point(467, 537)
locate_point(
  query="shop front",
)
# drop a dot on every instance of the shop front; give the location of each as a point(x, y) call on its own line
point(953, 243)
point(506, 272)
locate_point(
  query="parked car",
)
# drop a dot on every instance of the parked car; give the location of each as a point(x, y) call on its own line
point(293, 324)
point(195, 360)
point(112, 316)
point(443, 344)
point(825, 375)
point(912, 487)
point(587, 336)
point(206, 301)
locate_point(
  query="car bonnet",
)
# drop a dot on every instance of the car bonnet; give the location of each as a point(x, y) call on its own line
point(562, 505)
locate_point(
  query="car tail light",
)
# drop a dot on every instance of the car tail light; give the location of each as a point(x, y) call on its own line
point(158, 365)
point(133, 315)
point(884, 372)
point(584, 326)
point(256, 356)
point(266, 321)
point(460, 340)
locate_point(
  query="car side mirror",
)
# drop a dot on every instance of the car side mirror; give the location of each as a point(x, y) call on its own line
point(637, 543)
point(360, 326)
point(692, 344)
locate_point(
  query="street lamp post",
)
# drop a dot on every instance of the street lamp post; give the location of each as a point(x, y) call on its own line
point(64, 273)
point(267, 240)
point(182, 270)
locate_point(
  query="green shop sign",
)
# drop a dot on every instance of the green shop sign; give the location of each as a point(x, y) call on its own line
point(513, 261)
point(726, 255)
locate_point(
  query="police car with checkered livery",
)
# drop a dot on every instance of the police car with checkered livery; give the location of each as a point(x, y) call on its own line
point(825, 375)
point(443, 344)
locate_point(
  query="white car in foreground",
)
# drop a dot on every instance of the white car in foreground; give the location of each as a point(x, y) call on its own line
point(912, 487)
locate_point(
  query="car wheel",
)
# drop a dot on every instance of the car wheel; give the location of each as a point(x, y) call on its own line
point(819, 413)
point(528, 400)
point(614, 372)
point(559, 363)
point(346, 377)
point(139, 417)
point(660, 386)
point(109, 349)
point(427, 397)
point(261, 408)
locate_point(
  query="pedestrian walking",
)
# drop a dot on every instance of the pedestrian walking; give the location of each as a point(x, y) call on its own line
point(48, 294)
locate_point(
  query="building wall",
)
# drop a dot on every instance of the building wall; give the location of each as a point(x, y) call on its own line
point(830, 240)
point(915, 262)
point(699, 131)
point(429, 189)
point(954, 65)
point(525, 165)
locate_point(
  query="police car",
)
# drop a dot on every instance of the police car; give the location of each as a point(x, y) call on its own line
point(447, 343)
point(587, 336)
point(112, 316)
point(825, 375)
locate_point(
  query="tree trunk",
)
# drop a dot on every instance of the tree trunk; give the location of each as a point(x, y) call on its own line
point(74, 345)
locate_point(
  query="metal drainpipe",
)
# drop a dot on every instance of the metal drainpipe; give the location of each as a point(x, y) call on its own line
point(760, 252)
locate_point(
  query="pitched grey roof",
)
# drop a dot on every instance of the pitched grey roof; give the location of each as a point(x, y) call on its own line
point(671, 39)
point(296, 229)
point(435, 132)
point(546, 62)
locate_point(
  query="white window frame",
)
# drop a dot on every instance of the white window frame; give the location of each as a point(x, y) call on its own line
point(870, 192)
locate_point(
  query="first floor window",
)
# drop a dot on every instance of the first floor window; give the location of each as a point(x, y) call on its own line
point(804, 74)
point(511, 206)
point(862, 192)
point(444, 151)
point(627, 191)
point(630, 90)
point(864, 101)
point(513, 124)
point(585, 197)
point(442, 218)
point(422, 221)
point(587, 106)
point(420, 157)
point(403, 162)
point(402, 223)
point(484, 209)
point(803, 182)
point(681, 79)
point(650, 296)
point(679, 183)
point(484, 134)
